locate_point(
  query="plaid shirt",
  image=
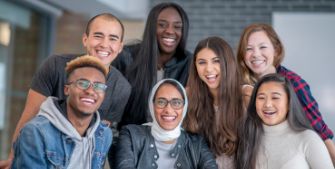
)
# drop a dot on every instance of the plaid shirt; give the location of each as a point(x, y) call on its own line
point(307, 101)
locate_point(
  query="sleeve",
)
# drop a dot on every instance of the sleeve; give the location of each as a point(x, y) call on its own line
point(125, 155)
point(44, 79)
point(316, 153)
point(29, 149)
point(311, 108)
point(207, 159)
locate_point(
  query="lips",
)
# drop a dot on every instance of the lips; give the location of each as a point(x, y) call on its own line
point(269, 113)
point(257, 62)
point(87, 101)
point(169, 41)
point(103, 54)
point(211, 78)
point(168, 118)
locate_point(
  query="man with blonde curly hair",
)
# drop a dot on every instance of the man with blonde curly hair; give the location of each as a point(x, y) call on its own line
point(68, 133)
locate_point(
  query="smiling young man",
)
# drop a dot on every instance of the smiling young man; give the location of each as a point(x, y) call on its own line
point(103, 39)
point(68, 133)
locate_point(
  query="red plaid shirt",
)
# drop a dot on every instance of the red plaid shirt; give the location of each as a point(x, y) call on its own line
point(308, 102)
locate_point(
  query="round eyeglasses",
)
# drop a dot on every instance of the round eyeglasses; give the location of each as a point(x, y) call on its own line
point(85, 84)
point(163, 102)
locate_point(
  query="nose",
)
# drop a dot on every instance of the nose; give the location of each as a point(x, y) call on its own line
point(169, 29)
point(209, 67)
point(168, 108)
point(268, 103)
point(90, 90)
point(105, 42)
point(255, 52)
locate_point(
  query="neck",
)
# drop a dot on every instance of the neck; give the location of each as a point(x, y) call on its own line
point(79, 121)
point(170, 141)
point(215, 93)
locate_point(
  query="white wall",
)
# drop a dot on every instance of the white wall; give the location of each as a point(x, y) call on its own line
point(309, 40)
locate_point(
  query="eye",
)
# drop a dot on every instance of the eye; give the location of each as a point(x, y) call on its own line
point(98, 36)
point(260, 97)
point(263, 47)
point(162, 24)
point(178, 26)
point(201, 62)
point(101, 87)
point(83, 83)
point(216, 60)
point(248, 49)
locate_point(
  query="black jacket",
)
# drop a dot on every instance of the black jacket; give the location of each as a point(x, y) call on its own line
point(177, 68)
point(136, 149)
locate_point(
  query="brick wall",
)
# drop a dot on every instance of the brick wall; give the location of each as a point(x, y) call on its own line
point(227, 18)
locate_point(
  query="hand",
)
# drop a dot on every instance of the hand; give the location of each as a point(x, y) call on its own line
point(5, 164)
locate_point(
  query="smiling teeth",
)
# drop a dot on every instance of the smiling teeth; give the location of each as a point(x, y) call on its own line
point(169, 39)
point(257, 62)
point(87, 100)
point(169, 118)
point(103, 54)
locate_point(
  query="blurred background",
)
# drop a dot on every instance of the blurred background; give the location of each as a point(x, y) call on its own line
point(31, 30)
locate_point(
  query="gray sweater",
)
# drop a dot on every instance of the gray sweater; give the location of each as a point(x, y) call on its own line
point(283, 148)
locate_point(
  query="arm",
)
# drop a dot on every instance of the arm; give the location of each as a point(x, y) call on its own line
point(29, 149)
point(125, 156)
point(316, 153)
point(34, 100)
point(331, 149)
point(207, 159)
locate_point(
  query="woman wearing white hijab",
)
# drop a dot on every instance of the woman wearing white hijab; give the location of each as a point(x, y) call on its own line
point(163, 144)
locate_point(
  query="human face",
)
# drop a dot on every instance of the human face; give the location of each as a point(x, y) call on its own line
point(168, 118)
point(169, 30)
point(208, 68)
point(259, 54)
point(84, 102)
point(272, 103)
point(104, 40)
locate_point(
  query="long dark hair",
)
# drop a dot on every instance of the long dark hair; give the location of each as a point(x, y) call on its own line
point(251, 132)
point(142, 74)
point(220, 129)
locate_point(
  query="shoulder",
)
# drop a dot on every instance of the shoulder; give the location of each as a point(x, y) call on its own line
point(115, 77)
point(289, 74)
point(310, 137)
point(136, 129)
point(193, 138)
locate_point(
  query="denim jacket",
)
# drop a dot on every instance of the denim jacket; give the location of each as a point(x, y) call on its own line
point(41, 145)
point(136, 149)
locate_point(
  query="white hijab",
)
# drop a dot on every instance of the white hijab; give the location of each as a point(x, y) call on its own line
point(157, 132)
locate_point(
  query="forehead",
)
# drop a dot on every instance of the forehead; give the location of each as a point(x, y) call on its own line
point(168, 91)
point(88, 73)
point(259, 37)
point(206, 53)
point(104, 24)
point(272, 87)
point(169, 14)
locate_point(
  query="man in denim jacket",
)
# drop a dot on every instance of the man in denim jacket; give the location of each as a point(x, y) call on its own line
point(68, 133)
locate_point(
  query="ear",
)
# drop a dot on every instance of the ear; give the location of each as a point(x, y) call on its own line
point(66, 90)
point(84, 40)
point(121, 47)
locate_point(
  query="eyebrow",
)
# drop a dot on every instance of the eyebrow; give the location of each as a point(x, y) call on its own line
point(111, 35)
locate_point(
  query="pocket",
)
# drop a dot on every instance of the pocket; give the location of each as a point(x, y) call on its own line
point(55, 160)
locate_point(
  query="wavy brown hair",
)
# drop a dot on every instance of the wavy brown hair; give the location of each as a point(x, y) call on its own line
point(247, 74)
point(220, 129)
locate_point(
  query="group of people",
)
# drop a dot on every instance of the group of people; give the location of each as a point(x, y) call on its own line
point(172, 109)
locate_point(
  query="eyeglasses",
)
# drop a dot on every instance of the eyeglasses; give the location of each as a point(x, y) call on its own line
point(175, 103)
point(85, 84)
